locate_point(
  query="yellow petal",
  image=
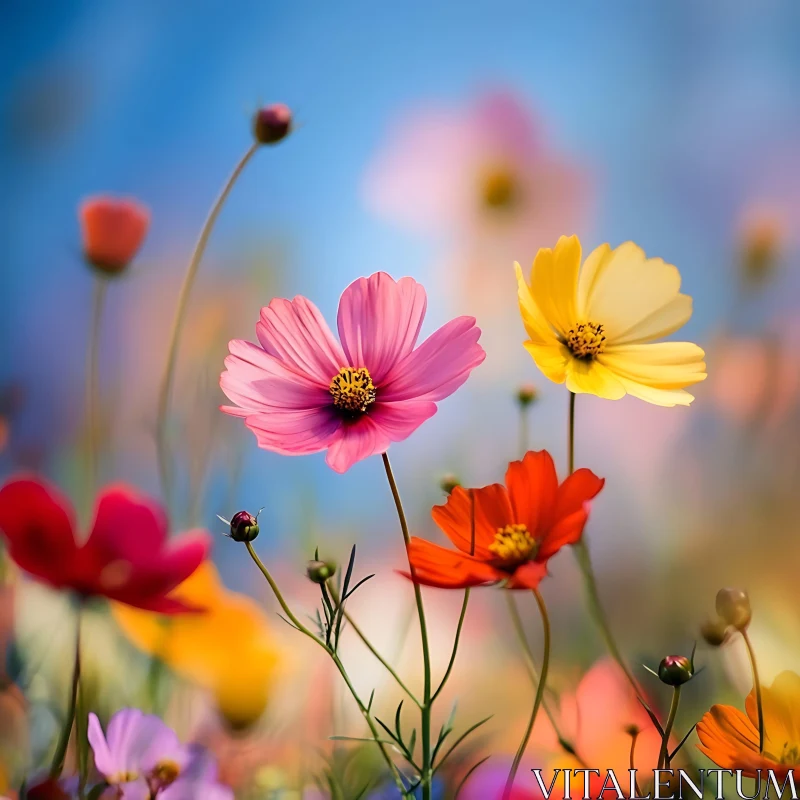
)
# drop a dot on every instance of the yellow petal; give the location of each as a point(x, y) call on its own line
point(663, 365)
point(532, 318)
point(552, 359)
point(626, 288)
point(591, 377)
point(781, 712)
point(594, 266)
point(657, 373)
point(554, 283)
point(662, 322)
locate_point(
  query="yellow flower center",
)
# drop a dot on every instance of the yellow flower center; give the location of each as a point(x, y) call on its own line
point(586, 340)
point(166, 772)
point(499, 188)
point(352, 390)
point(791, 754)
point(122, 777)
point(513, 544)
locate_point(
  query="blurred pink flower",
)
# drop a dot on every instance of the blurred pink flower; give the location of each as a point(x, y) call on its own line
point(300, 391)
point(486, 166)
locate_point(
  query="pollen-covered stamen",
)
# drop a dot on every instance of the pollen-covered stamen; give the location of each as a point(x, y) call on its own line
point(513, 544)
point(352, 390)
point(121, 777)
point(791, 754)
point(586, 340)
point(166, 772)
point(499, 188)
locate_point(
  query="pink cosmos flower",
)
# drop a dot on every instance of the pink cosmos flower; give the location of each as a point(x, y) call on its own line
point(300, 391)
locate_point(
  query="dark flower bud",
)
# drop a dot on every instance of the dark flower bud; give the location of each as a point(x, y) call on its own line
point(449, 482)
point(272, 123)
point(633, 730)
point(244, 527)
point(320, 571)
point(714, 631)
point(675, 670)
point(733, 606)
point(527, 395)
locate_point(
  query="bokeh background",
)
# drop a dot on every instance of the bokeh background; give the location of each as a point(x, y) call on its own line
point(442, 141)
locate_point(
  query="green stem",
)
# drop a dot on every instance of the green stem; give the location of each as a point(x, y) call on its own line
point(634, 738)
point(60, 755)
point(361, 635)
point(524, 433)
point(757, 685)
point(533, 672)
point(584, 559)
point(538, 699)
point(464, 605)
point(663, 756)
point(167, 380)
point(92, 384)
point(339, 666)
point(427, 699)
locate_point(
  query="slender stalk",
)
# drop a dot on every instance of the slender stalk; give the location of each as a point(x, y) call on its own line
point(538, 699)
point(60, 755)
point(663, 756)
point(533, 672)
point(634, 734)
point(524, 432)
point(584, 559)
point(165, 390)
point(92, 383)
point(339, 666)
point(361, 635)
point(464, 605)
point(757, 684)
point(425, 712)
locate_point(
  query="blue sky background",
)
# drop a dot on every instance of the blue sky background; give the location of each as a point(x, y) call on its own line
point(681, 109)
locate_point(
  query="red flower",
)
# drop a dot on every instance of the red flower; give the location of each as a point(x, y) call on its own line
point(113, 231)
point(518, 527)
point(126, 557)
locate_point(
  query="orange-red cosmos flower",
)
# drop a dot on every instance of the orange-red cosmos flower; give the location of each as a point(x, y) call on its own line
point(518, 527)
point(729, 737)
point(113, 231)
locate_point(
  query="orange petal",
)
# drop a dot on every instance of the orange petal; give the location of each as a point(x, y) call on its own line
point(532, 485)
point(567, 531)
point(492, 511)
point(528, 576)
point(577, 489)
point(113, 231)
point(447, 569)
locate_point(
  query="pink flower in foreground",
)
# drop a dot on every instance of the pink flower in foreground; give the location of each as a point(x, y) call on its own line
point(300, 391)
point(126, 558)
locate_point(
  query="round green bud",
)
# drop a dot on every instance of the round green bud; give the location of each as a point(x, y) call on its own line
point(320, 571)
point(714, 632)
point(675, 670)
point(244, 527)
point(527, 395)
point(449, 482)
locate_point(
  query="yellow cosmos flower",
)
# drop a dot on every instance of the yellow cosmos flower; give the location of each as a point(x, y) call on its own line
point(228, 649)
point(593, 326)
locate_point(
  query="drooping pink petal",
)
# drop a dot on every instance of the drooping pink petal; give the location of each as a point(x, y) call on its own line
point(295, 332)
point(379, 321)
point(37, 522)
point(399, 420)
point(103, 759)
point(295, 431)
point(355, 441)
point(438, 366)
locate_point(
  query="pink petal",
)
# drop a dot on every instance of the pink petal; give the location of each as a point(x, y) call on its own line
point(296, 333)
point(127, 526)
point(438, 366)
point(103, 759)
point(295, 431)
point(379, 321)
point(399, 420)
point(256, 381)
point(354, 442)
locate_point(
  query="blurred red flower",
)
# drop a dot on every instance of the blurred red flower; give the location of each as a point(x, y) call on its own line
point(518, 527)
point(113, 231)
point(126, 557)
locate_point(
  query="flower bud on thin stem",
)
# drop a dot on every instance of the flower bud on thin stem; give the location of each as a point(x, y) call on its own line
point(733, 606)
point(675, 670)
point(320, 571)
point(449, 482)
point(244, 527)
point(715, 632)
point(272, 124)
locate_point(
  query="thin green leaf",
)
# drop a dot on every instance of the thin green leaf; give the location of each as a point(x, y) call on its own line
point(460, 739)
point(653, 717)
point(468, 775)
point(683, 742)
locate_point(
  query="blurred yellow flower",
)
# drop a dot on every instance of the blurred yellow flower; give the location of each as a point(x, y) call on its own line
point(593, 326)
point(228, 650)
